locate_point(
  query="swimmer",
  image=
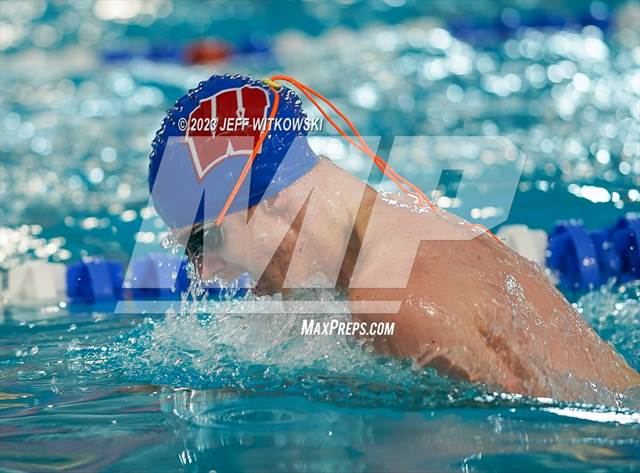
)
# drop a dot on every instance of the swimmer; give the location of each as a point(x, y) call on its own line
point(471, 308)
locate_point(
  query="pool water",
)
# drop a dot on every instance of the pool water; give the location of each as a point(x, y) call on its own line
point(87, 390)
point(84, 389)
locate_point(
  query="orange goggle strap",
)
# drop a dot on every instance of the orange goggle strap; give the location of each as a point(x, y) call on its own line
point(403, 184)
point(252, 157)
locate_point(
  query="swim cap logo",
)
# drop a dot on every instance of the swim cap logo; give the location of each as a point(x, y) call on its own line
point(222, 126)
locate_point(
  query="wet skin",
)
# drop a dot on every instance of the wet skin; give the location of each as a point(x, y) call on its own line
point(471, 308)
point(476, 310)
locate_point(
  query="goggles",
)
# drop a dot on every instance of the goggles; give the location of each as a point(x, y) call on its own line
point(204, 237)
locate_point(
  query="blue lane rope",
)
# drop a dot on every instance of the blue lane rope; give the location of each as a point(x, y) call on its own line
point(583, 259)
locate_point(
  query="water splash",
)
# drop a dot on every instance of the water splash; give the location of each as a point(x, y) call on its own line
point(258, 353)
point(614, 312)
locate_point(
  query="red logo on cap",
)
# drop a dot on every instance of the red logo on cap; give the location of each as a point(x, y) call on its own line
point(215, 129)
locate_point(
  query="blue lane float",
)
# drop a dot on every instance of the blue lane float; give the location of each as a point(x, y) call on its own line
point(206, 51)
point(156, 276)
point(161, 276)
point(94, 280)
point(580, 258)
point(625, 237)
point(585, 259)
point(573, 255)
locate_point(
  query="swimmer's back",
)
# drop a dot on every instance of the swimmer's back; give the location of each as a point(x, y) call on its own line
point(474, 309)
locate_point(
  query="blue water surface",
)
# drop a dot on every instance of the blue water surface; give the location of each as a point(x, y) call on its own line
point(84, 389)
point(97, 391)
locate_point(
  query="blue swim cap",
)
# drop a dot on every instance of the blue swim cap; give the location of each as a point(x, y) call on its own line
point(195, 164)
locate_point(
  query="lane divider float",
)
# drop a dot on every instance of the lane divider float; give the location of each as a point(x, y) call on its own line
point(156, 276)
point(205, 51)
point(580, 259)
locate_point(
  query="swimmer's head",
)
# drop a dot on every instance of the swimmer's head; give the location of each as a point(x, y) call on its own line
point(205, 140)
point(201, 149)
point(286, 238)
